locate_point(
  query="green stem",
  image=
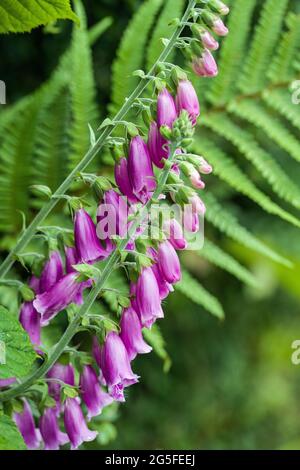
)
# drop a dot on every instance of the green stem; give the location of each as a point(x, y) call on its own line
point(90, 155)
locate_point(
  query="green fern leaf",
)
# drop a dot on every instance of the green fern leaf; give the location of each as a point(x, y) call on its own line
point(154, 337)
point(172, 9)
point(265, 39)
point(281, 184)
point(223, 260)
point(282, 66)
point(193, 290)
point(227, 223)
point(228, 171)
point(281, 101)
point(130, 55)
point(83, 90)
point(255, 113)
point(53, 143)
point(222, 88)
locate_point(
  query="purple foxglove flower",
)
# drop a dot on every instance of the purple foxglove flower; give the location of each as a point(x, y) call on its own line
point(190, 220)
point(7, 382)
point(148, 302)
point(166, 109)
point(113, 212)
point(30, 319)
point(123, 181)
point(87, 244)
point(140, 169)
point(168, 262)
point(75, 424)
point(186, 99)
point(92, 394)
point(164, 287)
point(155, 145)
point(194, 177)
point(174, 233)
point(71, 259)
point(53, 437)
point(203, 166)
point(52, 272)
point(63, 373)
point(197, 204)
point(131, 334)
point(62, 294)
point(116, 367)
point(34, 284)
point(26, 425)
point(209, 41)
point(219, 27)
point(205, 66)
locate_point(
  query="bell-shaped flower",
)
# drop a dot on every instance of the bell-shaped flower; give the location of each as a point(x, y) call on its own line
point(166, 109)
point(209, 41)
point(87, 244)
point(30, 319)
point(131, 334)
point(140, 170)
point(116, 367)
point(123, 181)
point(186, 99)
point(75, 424)
point(53, 271)
point(71, 259)
point(60, 296)
point(168, 262)
point(219, 27)
point(52, 436)
point(92, 394)
point(205, 65)
point(25, 423)
point(148, 300)
point(174, 233)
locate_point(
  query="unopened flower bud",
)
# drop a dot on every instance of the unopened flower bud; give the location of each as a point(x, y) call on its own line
point(205, 66)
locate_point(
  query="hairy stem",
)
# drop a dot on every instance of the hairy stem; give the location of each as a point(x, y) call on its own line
point(92, 152)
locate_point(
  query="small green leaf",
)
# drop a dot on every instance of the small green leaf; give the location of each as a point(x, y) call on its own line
point(87, 271)
point(92, 136)
point(70, 392)
point(16, 352)
point(41, 190)
point(18, 16)
point(107, 122)
point(10, 438)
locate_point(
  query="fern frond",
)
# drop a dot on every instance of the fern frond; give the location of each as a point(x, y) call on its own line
point(281, 101)
point(228, 171)
point(83, 90)
point(281, 184)
point(223, 260)
point(194, 291)
point(172, 9)
point(131, 52)
point(155, 338)
point(255, 113)
point(282, 67)
point(222, 88)
point(15, 166)
point(262, 48)
point(53, 143)
point(227, 223)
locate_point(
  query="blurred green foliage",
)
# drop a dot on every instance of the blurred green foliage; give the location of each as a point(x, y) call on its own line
point(231, 384)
